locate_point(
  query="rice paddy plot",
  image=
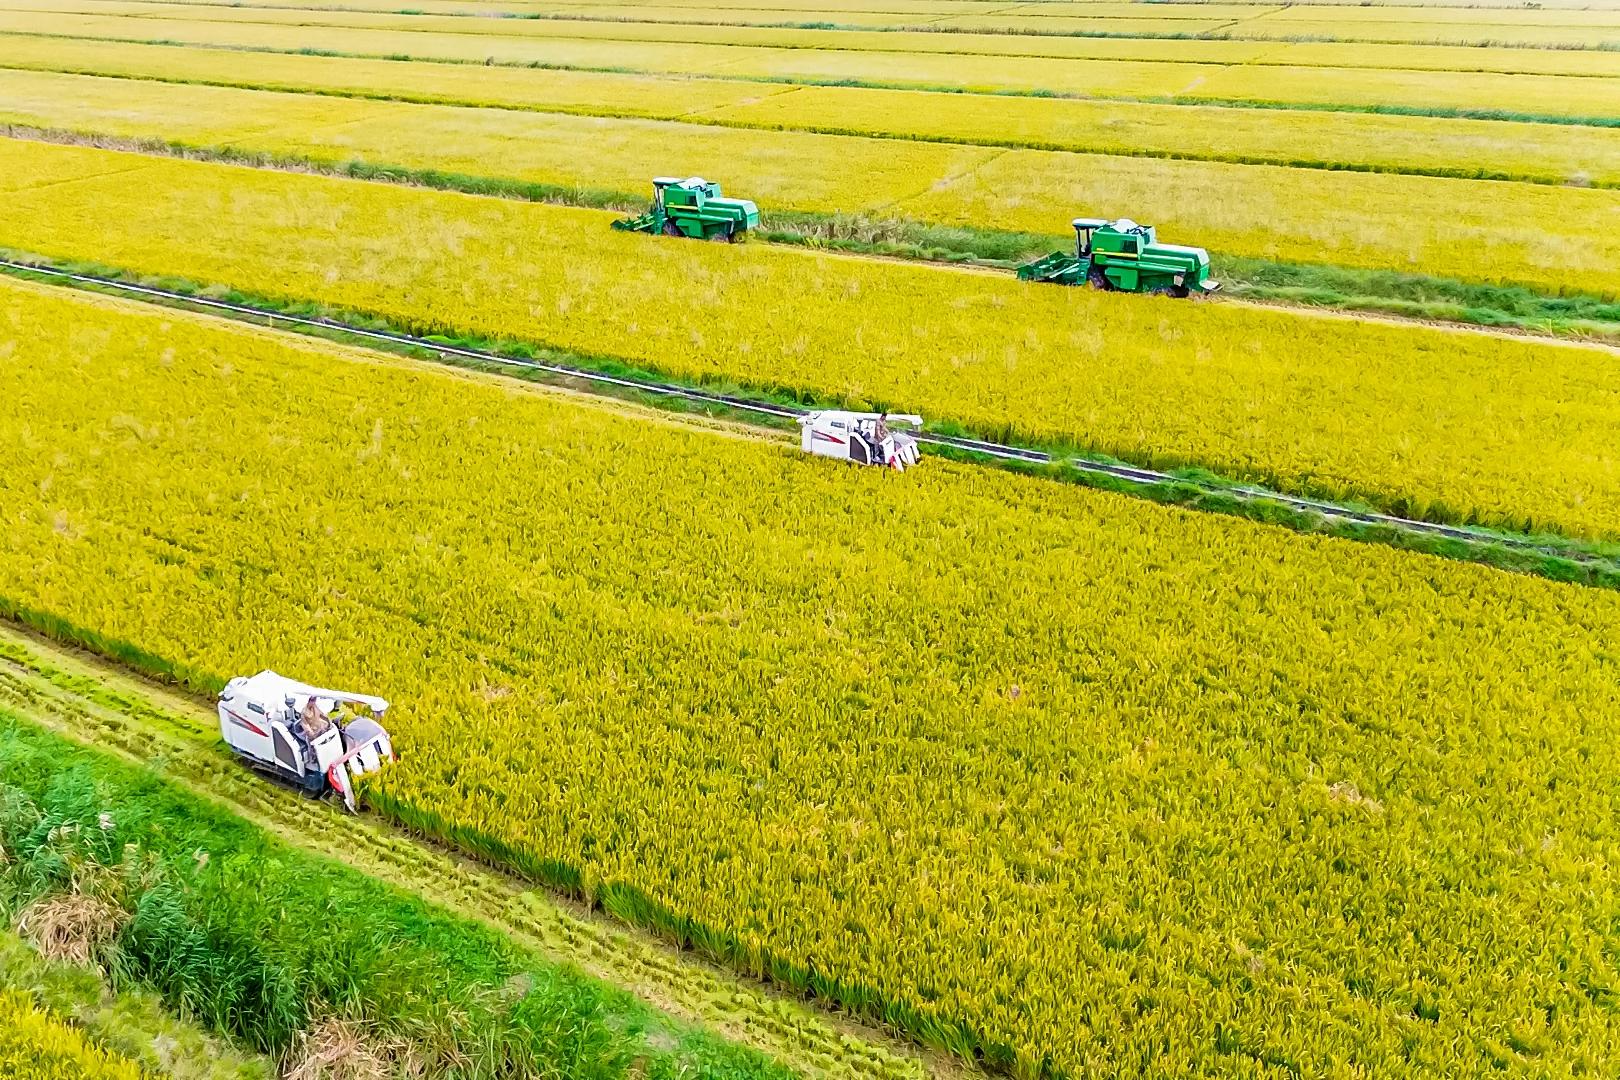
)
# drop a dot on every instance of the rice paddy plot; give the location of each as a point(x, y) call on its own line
point(1431, 422)
point(1164, 789)
point(1538, 236)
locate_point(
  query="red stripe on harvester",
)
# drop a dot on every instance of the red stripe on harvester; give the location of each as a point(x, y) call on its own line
point(245, 722)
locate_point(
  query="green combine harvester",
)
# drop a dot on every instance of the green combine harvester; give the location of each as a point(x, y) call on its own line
point(693, 208)
point(1126, 257)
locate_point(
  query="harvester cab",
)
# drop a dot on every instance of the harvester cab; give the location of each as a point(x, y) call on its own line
point(864, 438)
point(317, 739)
point(693, 208)
point(1124, 256)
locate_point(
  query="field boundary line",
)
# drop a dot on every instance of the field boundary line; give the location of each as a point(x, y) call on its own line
point(845, 47)
point(1464, 542)
point(126, 713)
point(704, 116)
point(1217, 33)
point(908, 240)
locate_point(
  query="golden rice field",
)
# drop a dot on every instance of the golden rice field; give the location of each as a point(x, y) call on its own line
point(1504, 430)
point(1538, 236)
point(1569, 83)
point(1564, 29)
point(1548, 153)
point(1063, 783)
point(34, 1045)
point(1090, 783)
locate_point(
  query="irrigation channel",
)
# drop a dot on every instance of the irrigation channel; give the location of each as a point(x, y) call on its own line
point(765, 412)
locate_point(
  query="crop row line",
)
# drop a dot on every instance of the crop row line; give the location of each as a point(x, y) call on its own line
point(1366, 294)
point(1256, 500)
point(1217, 34)
point(689, 34)
point(707, 119)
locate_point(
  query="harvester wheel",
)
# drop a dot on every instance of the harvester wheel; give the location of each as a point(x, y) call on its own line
point(672, 229)
point(1099, 280)
point(1180, 292)
point(734, 236)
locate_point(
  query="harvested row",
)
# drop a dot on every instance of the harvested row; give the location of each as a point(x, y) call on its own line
point(1219, 804)
point(34, 1045)
point(1563, 30)
point(270, 945)
point(1178, 68)
point(1425, 421)
point(1556, 154)
point(1538, 236)
point(118, 712)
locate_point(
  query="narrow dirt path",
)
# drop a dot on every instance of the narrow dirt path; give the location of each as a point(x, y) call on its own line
point(98, 704)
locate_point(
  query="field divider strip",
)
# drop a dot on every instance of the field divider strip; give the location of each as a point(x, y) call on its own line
point(106, 703)
point(721, 72)
point(1221, 32)
point(704, 116)
point(847, 47)
point(1588, 321)
point(1553, 557)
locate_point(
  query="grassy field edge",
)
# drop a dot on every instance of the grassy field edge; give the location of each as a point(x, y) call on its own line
point(622, 900)
point(65, 678)
point(428, 986)
point(131, 1021)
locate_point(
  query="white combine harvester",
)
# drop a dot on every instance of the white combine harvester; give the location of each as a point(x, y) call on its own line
point(864, 438)
point(318, 739)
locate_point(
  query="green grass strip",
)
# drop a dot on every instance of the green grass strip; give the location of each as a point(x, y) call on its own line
point(258, 940)
point(133, 1023)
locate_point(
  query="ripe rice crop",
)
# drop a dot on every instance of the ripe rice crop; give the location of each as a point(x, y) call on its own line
point(1392, 28)
point(1087, 783)
point(669, 97)
point(1414, 58)
point(980, 31)
point(784, 171)
point(1427, 420)
point(1543, 237)
point(1474, 77)
point(36, 1046)
point(1505, 234)
point(1552, 153)
point(1336, 139)
point(1575, 96)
